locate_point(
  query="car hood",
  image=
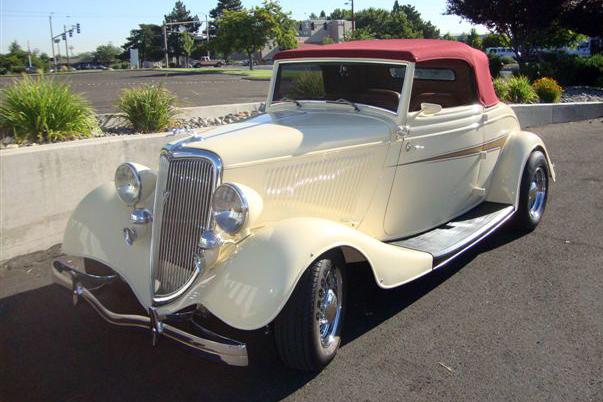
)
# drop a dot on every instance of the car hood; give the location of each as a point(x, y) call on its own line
point(290, 133)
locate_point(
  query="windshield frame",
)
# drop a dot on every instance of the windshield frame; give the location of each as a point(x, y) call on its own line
point(272, 105)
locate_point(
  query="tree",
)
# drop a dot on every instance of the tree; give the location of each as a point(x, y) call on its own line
point(106, 54)
point(396, 7)
point(148, 39)
point(495, 40)
point(313, 16)
point(284, 28)
point(180, 14)
point(474, 40)
point(223, 5)
point(216, 14)
point(341, 14)
point(188, 43)
point(86, 57)
point(400, 22)
point(323, 15)
point(528, 24)
point(447, 36)
point(250, 30)
point(583, 16)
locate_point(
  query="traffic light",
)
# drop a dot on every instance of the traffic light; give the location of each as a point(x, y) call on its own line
point(71, 33)
point(77, 27)
point(64, 36)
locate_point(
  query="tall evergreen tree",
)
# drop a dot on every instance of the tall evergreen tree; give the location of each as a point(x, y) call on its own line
point(180, 14)
point(231, 5)
point(148, 39)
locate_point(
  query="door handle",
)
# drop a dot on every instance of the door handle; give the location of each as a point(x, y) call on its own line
point(413, 147)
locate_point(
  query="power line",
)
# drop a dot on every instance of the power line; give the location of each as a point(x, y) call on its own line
point(34, 14)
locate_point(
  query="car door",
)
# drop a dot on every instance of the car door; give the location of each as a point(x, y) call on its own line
point(437, 176)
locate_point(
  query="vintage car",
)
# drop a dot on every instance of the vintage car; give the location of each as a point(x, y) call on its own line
point(395, 153)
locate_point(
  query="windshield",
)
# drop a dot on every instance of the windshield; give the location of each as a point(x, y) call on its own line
point(371, 84)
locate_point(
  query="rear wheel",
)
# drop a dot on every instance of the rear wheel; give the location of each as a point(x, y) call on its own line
point(533, 192)
point(307, 331)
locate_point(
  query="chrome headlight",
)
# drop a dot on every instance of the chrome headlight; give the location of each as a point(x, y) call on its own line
point(230, 208)
point(128, 183)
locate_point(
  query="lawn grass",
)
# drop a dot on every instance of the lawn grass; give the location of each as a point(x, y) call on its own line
point(259, 75)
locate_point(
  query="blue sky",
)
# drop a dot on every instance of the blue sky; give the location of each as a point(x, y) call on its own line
point(111, 20)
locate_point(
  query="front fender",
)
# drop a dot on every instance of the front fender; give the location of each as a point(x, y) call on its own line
point(506, 181)
point(249, 289)
point(95, 230)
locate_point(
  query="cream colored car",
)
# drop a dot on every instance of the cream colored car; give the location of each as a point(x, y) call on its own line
point(395, 152)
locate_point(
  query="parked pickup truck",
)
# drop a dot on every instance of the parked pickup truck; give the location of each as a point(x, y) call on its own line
point(207, 62)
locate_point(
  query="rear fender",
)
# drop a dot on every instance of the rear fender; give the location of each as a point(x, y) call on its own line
point(506, 180)
point(249, 289)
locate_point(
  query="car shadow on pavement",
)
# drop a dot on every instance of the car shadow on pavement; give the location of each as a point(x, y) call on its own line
point(51, 351)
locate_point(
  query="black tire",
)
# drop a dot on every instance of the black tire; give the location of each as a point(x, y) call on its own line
point(297, 328)
point(531, 208)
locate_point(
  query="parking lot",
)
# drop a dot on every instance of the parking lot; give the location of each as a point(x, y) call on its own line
point(192, 88)
point(517, 318)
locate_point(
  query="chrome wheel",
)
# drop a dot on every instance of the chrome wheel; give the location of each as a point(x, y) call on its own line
point(329, 306)
point(537, 193)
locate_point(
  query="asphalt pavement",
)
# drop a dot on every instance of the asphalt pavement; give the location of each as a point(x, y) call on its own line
point(102, 89)
point(520, 317)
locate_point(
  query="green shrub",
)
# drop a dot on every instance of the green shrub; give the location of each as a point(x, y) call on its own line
point(495, 64)
point(520, 90)
point(501, 87)
point(566, 69)
point(308, 85)
point(508, 60)
point(41, 110)
point(148, 108)
point(547, 90)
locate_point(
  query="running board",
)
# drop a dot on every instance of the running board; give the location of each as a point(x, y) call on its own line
point(453, 238)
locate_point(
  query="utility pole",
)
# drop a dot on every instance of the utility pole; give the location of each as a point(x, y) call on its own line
point(29, 53)
point(353, 17)
point(54, 59)
point(207, 33)
point(165, 32)
point(167, 58)
point(66, 46)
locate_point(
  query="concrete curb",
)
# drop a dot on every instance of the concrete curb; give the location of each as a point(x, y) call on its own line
point(541, 114)
point(40, 186)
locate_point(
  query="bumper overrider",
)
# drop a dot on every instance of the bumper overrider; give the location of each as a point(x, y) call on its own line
point(66, 273)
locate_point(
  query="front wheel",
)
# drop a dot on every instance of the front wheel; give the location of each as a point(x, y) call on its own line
point(533, 192)
point(307, 331)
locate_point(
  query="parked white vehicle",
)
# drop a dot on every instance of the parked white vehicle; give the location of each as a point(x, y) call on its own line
point(501, 51)
point(394, 152)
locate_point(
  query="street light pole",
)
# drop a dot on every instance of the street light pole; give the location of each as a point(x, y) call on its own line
point(54, 58)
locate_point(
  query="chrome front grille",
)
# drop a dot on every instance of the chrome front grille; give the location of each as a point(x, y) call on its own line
point(185, 184)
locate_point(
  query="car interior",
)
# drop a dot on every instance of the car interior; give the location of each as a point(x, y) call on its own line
point(448, 83)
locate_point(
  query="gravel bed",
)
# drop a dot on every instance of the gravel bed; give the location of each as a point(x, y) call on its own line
point(582, 94)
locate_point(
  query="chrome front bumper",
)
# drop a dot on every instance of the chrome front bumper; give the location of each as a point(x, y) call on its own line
point(67, 274)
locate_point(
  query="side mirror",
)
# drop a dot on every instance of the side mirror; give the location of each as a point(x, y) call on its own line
point(430, 108)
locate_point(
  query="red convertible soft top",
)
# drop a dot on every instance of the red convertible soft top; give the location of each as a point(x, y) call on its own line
point(412, 50)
